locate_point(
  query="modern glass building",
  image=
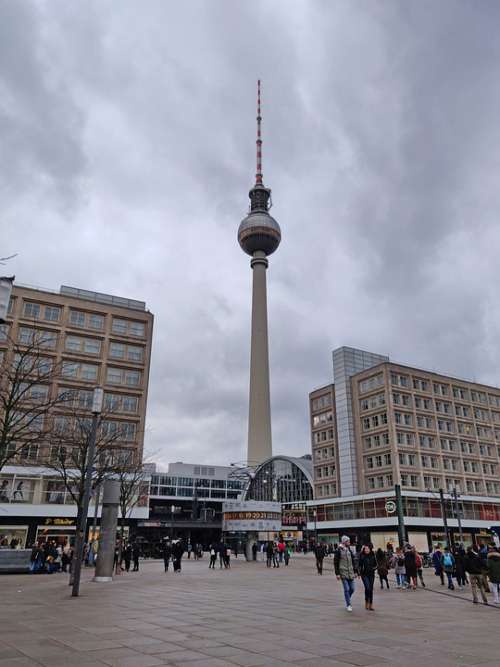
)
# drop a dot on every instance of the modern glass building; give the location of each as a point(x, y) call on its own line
point(282, 479)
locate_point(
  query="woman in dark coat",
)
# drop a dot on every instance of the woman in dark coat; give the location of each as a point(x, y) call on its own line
point(367, 567)
point(411, 567)
point(382, 567)
point(459, 555)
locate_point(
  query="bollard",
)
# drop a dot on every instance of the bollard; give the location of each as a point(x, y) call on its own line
point(107, 538)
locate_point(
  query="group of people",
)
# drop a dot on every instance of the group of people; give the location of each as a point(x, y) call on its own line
point(130, 552)
point(173, 550)
point(222, 552)
point(48, 557)
point(276, 553)
point(478, 567)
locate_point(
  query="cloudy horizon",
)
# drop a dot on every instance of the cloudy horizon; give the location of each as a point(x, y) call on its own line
point(128, 142)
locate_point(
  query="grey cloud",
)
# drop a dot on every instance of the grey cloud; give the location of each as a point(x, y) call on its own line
point(380, 144)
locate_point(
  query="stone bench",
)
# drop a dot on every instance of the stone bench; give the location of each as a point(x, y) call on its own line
point(14, 560)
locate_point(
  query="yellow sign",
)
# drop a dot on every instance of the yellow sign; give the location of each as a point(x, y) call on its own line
point(59, 522)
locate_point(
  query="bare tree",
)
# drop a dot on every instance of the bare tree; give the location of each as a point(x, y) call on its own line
point(27, 400)
point(133, 492)
point(70, 450)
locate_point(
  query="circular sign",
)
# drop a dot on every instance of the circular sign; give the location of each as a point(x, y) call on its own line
point(390, 507)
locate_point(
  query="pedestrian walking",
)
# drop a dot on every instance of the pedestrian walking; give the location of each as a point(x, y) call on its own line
point(167, 554)
point(320, 553)
point(367, 567)
point(420, 564)
point(459, 555)
point(382, 567)
point(222, 554)
point(227, 558)
point(254, 551)
point(135, 555)
point(410, 567)
point(177, 553)
point(493, 564)
point(276, 562)
point(269, 554)
point(448, 564)
point(281, 550)
point(398, 563)
point(189, 549)
point(438, 563)
point(127, 556)
point(346, 569)
point(474, 567)
point(213, 558)
point(286, 555)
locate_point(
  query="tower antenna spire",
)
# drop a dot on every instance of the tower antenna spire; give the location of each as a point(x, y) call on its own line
point(258, 175)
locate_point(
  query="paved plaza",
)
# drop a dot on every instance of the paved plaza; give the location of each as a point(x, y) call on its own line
point(247, 616)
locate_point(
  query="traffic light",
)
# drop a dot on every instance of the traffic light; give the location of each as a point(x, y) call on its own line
point(5, 292)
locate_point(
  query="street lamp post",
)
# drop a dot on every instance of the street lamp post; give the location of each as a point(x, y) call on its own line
point(458, 514)
point(315, 515)
point(82, 524)
point(445, 518)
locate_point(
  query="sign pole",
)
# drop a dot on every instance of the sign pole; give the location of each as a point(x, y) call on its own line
point(401, 518)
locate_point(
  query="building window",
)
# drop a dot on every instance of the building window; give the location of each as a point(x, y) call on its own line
point(76, 370)
point(371, 383)
point(52, 313)
point(321, 402)
point(77, 318)
point(420, 384)
point(83, 345)
point(128, 327)
point(32, 310)
point(96, 321)
point(123, 376)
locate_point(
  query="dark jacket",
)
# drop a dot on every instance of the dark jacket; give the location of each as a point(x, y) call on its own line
point(436, 561)
point(382, 564)
point(167, 551)
point(177, 550)
point(493, 563)
point(410, 564)
point(473, 564)
point(319, 551)
point(367, 564)
point(459, 556)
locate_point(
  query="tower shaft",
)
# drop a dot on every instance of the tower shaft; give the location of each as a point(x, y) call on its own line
point(259, 415)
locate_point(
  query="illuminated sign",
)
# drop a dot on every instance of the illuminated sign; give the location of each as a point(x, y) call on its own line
point(251, 515)
point(59, 522)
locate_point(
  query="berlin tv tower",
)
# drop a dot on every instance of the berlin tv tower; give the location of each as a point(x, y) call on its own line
point(259, 235)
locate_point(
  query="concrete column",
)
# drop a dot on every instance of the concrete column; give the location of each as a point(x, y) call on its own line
point(107, 537)
point(251, 540)
point(259, 418)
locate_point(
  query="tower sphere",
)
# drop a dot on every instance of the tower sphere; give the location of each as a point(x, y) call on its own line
point(259, 231)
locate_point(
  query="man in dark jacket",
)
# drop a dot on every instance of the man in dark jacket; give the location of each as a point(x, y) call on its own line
point(135, 555)
point(167, 554)
point(474, 566)
point(320, 553)
point(493, 564)
point(177, 553)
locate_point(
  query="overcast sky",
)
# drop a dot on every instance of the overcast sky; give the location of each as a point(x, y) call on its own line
point(127, 135)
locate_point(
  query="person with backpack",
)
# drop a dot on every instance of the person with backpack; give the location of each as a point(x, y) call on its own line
point(448, 565)
point(419, 563)
point(346, 569)
point(493, 565)
point(398, 563)
point(382, 568)
point(474, 567)
point(438, 563)
point(286, 555)
point(367, 567)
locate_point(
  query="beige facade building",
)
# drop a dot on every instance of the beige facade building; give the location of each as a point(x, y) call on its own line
point(94, 340)
point(422, 430)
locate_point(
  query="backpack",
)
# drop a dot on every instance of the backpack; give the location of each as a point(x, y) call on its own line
point(418, 561)
point(447, 560)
